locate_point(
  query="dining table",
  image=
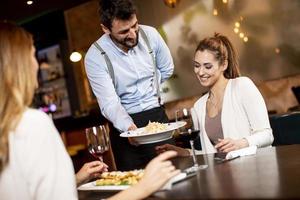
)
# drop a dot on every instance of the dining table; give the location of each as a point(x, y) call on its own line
point(271, 173)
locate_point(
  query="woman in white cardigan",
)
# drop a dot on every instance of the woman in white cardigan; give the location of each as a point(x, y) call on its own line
point(233, 114)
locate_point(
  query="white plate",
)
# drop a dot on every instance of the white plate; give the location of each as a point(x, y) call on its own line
point(93, 186)
point(144, 138)
point(167, 186)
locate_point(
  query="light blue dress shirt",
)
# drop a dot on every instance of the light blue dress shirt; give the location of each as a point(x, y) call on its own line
point(135, 89)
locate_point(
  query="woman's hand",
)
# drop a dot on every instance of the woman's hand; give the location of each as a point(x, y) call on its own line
point(226, 145)
point(158, 172)
point(90, 170)
point(166, 147)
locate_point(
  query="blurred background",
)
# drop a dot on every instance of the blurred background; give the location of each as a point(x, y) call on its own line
point(265, 33)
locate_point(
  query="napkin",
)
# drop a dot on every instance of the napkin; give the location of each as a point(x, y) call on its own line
point(242, 152)
point(175, 179)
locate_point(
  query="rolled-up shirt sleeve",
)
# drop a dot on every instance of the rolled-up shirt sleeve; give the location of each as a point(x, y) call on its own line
point(104, 90)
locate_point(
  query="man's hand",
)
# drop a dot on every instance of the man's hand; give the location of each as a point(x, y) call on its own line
point(132, 141)
point(132, 127)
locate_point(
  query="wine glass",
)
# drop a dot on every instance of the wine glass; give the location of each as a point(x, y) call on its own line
point(97, 141)
point(190, 132)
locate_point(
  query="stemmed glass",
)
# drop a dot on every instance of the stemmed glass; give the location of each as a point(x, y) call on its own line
point(97, 141)
point(190, 131)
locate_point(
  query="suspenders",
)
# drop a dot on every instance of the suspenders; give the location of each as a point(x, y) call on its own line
point(108, 63)
point(111, 70)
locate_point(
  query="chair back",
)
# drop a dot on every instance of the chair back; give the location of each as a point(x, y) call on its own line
point(286, 128)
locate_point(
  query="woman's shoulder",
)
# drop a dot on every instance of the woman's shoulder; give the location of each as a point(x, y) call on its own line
point(201, 100)
point(34, 121)
point(35, 116)
point(242, 82)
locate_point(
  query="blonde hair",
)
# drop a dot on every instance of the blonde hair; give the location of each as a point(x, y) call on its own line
point(17, 81)
point(223, 50)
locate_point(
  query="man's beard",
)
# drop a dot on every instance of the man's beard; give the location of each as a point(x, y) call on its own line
point(126, 42)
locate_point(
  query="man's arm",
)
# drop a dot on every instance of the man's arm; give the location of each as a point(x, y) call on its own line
point(163, 56)
point(103, 88)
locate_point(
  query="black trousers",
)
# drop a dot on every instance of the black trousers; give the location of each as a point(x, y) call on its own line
point(129, 157)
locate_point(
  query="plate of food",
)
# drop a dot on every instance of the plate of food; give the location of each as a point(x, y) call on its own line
point(153, 132)
point(117, 181)
point(114, 181)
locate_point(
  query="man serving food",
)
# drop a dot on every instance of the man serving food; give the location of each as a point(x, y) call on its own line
point(125, 68)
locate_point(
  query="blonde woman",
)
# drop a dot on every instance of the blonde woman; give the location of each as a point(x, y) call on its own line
point(233, 114)
point(33, 161)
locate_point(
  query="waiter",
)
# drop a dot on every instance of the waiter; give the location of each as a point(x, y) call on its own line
point(125, 67)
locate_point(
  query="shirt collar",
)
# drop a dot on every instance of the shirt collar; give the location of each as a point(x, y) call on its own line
point(119, 49)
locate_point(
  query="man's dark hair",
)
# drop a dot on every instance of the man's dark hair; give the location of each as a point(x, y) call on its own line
point(115, 9)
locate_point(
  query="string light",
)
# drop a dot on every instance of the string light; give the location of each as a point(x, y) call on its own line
point(236, 30)
point(171, 3)
point(29, 2)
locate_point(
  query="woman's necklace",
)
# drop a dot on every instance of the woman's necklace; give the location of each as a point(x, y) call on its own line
point(214, 102)
point(215, 99)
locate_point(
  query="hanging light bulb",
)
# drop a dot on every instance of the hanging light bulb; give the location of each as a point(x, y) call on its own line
point(215, 12)
point(171, 3)
point(75, 56)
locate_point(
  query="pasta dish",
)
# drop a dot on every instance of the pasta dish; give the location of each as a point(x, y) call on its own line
point(155, 127)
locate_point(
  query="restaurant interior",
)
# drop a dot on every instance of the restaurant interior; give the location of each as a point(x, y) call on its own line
point(265, 33)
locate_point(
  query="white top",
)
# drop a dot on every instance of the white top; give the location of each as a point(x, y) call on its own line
point(135, 86)
point(244, 115)
point(39, 166)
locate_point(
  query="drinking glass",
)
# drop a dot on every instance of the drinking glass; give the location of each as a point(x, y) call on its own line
point(190, 131)
point(97, 141)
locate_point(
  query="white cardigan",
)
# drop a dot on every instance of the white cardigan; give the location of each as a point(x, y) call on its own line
point(244, 115)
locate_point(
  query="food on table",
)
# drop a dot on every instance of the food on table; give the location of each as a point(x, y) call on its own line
point(120, 178)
